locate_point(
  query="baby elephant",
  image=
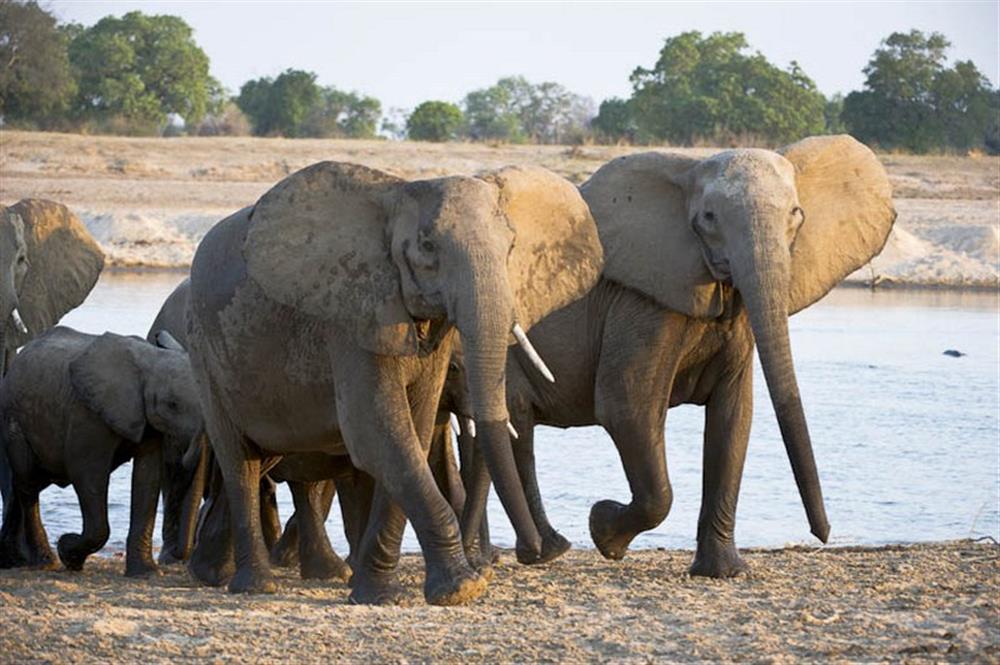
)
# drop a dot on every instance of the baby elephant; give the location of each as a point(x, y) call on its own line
point(74, 407)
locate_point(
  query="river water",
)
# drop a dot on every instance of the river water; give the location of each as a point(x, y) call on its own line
point(907, 439)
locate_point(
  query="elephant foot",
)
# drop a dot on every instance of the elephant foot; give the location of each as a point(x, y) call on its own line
point(168, 557)
point(605, 518)
point(444, 587)
point(375, 589)
point(71, 553)
point(209, 573)
point(252, 580)
point(554, 545)
point(715, 559)
point(141, 568)
point(324, 567)
point(285, 553)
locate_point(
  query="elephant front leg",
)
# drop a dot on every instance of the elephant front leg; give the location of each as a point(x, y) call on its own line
point(92, 493)
point(554, 544)
point(317, 560)
point(145, 490)
point(727, 430)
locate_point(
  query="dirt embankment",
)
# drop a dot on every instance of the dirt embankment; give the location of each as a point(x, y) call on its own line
point(149, 201)
point(923, 602)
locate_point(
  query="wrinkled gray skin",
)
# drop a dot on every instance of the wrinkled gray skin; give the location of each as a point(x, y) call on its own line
point(276, 380)
point(75, 407)
point(622, 360)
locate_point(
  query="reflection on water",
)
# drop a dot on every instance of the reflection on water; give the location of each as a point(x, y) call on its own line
point(907, 439)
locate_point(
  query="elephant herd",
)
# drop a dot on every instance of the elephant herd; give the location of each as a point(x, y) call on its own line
point(329, 333)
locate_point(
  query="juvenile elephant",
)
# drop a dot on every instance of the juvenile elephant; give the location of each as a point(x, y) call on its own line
point(74, 407)
point(703, 257)
point(322, 320)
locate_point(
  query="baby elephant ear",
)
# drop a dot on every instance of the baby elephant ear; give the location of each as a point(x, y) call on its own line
point(640, 204)
point(847, 199)
point(64, 262)
point(556, 255)
point(318, 243)
point(106, 378)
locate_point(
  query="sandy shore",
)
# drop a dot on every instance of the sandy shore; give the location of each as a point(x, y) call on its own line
point(922, 602)
point(149, 201)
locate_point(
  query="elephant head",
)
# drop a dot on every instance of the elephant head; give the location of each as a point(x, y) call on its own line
point(48, 265)
point(132, 384)
point(781, 228)
point(393, 263)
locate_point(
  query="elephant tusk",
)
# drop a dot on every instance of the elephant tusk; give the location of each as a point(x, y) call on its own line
point(18, 321)
point(469, 426)
point(510, 428)
point(455, 426)
point(529, 350)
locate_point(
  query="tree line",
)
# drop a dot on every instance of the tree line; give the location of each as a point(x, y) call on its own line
point(139, 73)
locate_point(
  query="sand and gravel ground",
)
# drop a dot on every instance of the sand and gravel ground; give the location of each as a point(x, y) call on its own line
point(149, 201)
point(932, 602)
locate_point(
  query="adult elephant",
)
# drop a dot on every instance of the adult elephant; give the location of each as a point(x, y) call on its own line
point(48, 265)
point(703, 257)
point(322, 320)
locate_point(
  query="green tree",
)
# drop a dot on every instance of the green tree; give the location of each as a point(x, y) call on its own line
point(911, 100)
point(342, 114)
point(614, 121)
point(434, 121)
point(280, 106)
point(832, 112)
point(494, 113)
point(142, 68)
point(36, 84)
point(517, 110)
point(710, 89)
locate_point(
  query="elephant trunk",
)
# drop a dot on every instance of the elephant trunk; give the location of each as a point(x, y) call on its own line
point(485, 325)
point(197, 456)
point(764, 288)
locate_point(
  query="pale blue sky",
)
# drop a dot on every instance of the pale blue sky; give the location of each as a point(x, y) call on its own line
point(405, 53)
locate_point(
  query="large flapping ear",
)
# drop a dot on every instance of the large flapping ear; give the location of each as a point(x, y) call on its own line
point(106, 378)
point(640, 204)
point(64, 262)
point(847, 199)
point(556, 256)
point(318, 243)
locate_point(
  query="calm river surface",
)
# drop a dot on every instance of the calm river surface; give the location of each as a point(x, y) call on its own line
point(907, 440)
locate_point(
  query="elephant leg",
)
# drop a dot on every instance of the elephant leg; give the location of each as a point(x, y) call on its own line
point(554, 544)
point(389, 437)
point(357, 493)
point(374, 581)
point(317, 560)
point(12, 554)
point(212, 560)
point(241, 474)
point(270, 519)
point(39, 551)
point(727, 430)
point(92, 493)
point(475, 479)
point(145, 493)
point(285, 552)
point(173, 496)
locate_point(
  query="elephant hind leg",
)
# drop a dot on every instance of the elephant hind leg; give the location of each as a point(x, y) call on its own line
point(40, 553)
point(92, 493)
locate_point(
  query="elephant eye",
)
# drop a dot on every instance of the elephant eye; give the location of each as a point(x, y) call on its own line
point(427, 246)
point(22, 259)
point(709, 216)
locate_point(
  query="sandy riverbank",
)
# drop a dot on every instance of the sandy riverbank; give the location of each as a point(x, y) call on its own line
point(923, 602)
point(149, 201)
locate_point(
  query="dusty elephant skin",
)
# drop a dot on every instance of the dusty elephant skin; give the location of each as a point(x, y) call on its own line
point(933, 602)
point(322, 318)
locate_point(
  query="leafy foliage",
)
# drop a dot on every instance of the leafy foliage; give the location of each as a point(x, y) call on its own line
point(434, 121)
point(614, 121)
point(142, 68)
point(516, 110)
point(911, 100)
point(708, 89)
point(36, 84)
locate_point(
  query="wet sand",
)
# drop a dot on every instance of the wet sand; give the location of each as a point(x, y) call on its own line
point(935, 602)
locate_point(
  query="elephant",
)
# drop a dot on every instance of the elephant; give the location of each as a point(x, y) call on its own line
point(74, 407)
point(48, 265)
point(703, 260)
point(322, 319)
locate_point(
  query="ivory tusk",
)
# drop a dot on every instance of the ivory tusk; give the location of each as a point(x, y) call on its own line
point(455, 426)
point(510, 428)
point(469, 425)
point(536, 360)
point(18, 321)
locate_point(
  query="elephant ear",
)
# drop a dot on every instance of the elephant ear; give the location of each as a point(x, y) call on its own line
point(64, 262)
point(107, 379)
point(640, 204)
point(556, 255)
point(318, 243)
point(847, 199)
